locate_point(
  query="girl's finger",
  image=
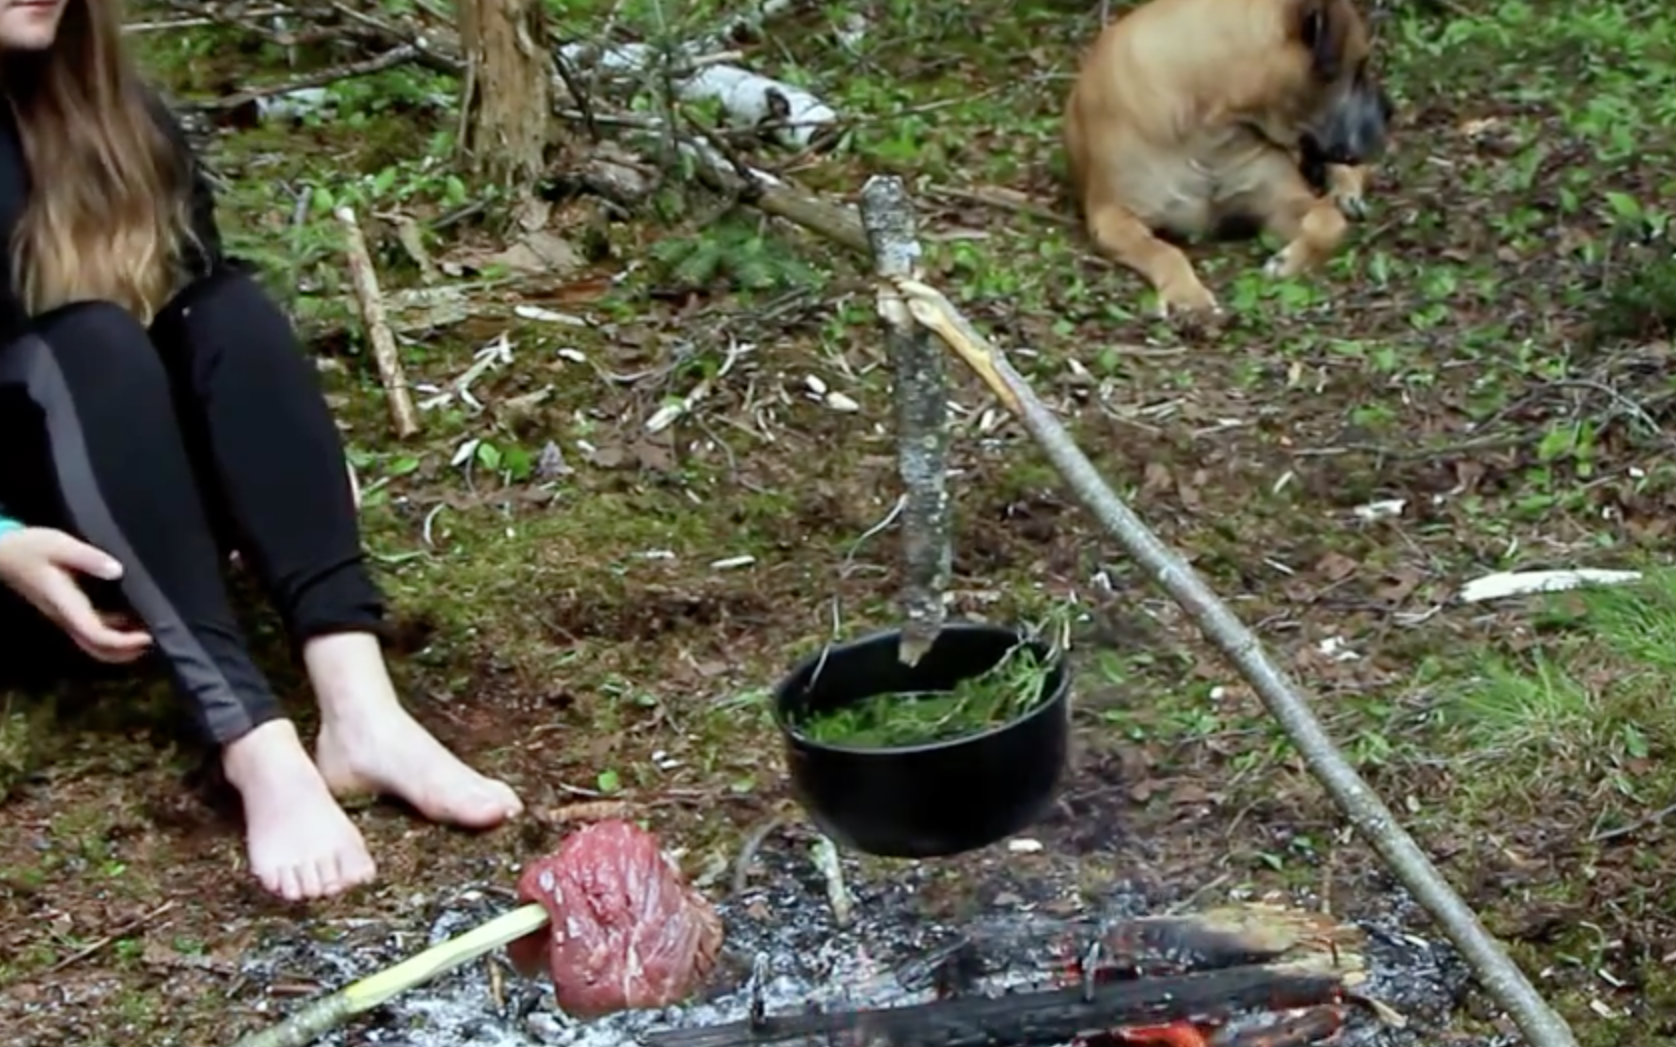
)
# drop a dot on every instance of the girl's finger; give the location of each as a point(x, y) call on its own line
point(76, 614)
point(110, 655)
point(77, 555)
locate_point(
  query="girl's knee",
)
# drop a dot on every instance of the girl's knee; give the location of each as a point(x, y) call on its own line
point(227, 323)
point(230, 295)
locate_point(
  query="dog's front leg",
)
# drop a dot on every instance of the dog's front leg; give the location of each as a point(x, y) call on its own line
point(1312, 226)
point(1128, 241)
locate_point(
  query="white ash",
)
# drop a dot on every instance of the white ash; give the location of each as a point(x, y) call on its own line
point(786, 917)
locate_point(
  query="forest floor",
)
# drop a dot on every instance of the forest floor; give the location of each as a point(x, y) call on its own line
point(1479, 382)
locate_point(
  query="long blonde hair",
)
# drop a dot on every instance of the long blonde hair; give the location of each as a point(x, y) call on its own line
point(109, 201)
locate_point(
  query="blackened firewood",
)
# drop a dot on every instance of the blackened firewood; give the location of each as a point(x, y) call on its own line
point(1147, 946)
point(1021, 1019)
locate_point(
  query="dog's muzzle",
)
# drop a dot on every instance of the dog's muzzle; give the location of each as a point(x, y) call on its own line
point(1354, 128)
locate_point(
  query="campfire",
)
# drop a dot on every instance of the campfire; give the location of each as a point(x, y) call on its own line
point(1249, 976)
point(1033, 968)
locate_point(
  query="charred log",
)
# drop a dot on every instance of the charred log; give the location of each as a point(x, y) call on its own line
point(1049, 1017)
point(1140, 947)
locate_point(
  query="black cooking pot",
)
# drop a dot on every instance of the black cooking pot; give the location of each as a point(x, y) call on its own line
point(926, 800)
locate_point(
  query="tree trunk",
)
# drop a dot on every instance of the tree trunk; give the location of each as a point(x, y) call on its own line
point(506, 109)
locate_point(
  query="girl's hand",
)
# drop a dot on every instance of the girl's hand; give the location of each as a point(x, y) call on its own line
point(40, 564)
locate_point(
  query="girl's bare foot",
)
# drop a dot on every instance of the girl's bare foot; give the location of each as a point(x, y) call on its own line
point(368, 743)
point(300, 843)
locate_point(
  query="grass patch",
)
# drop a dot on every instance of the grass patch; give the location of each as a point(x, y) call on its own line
point(1582, 704)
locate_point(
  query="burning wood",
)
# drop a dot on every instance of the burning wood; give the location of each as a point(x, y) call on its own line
point(1052, 1016)
point(1240, 976)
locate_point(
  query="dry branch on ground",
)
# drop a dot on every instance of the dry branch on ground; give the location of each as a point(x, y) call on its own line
point(371, 301)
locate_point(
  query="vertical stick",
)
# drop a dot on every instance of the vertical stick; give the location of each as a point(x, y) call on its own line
point(921, 416)
point(365, 279)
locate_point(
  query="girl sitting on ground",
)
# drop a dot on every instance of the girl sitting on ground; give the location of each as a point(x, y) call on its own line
point(158, 414)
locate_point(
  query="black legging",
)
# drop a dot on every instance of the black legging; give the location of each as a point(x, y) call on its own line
point(166, 449)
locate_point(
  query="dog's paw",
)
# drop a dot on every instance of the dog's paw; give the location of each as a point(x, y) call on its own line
point(1286, 263)
point(1347, 188)
point(1351, 203)
point(1187, 301)
point(1193, 317)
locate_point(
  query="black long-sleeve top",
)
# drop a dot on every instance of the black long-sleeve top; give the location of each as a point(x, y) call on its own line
point(199, 258)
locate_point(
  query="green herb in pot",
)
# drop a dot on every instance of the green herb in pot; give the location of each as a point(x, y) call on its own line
point(1014, 686)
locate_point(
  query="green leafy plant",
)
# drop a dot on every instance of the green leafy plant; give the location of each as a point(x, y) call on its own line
point(1011, 688)
point(732, 253)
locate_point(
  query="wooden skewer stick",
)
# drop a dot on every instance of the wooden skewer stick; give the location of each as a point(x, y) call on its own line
point(371, 301)
point(329, 1012)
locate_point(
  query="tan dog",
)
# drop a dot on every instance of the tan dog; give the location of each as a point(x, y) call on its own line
point(1196, 118)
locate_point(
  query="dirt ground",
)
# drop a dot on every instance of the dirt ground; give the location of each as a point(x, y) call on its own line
point(1480, 382)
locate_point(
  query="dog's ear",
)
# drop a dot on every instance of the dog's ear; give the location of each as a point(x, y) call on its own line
point(1320, 28)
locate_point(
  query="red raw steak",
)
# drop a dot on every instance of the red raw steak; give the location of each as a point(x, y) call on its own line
point(626, 929)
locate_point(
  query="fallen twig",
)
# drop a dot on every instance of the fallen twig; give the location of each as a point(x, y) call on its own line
point(578, 94)
point(922, 429)
point(1005, 200)
point(390, 373)
point(438, 50)
point(397, 55)
point(1503, 584)
point(748, 850)
point(1633, 827)
point(190, 21)
point(1285, 700)
point(92, 947)
point(590, 811)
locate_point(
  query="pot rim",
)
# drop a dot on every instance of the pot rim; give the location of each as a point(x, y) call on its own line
point(1058, 666)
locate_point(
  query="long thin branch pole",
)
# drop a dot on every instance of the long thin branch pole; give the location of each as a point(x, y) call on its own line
point(919, 387)
point(1541, 1025)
